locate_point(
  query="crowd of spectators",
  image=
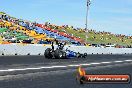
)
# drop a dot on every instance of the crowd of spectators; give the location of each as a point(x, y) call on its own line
point(14, 25)
point(28, 25)
point(119, 37)
point(53, 26)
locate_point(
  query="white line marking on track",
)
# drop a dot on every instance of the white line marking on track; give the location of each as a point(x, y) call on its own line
point(118, 61)
point(73, 65)
point(95, 63)
point(128, 60)
point(63, 66)
point(85, 64)
point(105, 62)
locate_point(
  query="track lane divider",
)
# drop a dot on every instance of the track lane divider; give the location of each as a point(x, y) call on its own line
point(62, 66)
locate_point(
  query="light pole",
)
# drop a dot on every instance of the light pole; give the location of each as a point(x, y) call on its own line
point(88, 4)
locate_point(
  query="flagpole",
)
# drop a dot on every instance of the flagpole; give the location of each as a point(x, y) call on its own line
point(88, 3)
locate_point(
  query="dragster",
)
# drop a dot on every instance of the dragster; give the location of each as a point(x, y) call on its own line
point(61, 53)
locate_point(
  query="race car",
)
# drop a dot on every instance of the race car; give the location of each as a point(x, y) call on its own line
point(61, 53)
point(73, 54)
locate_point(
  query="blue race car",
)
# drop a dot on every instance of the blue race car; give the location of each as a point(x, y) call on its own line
point(60, 53)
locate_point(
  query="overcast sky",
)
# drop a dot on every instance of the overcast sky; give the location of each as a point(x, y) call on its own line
point(104, 15)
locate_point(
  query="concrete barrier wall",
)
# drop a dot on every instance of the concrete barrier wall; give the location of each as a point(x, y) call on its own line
point(32, 49)
point(95, 50)
point(20, 49)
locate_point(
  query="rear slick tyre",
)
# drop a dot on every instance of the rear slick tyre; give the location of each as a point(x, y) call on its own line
point(48, 54)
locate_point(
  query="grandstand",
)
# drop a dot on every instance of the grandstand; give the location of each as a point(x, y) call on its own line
point(13, 30)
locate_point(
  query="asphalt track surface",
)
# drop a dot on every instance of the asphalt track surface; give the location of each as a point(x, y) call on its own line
point(38, 72)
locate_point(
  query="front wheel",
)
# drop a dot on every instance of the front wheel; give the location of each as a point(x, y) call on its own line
point(78, 55)
point(58, 54)
point(85, 55)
